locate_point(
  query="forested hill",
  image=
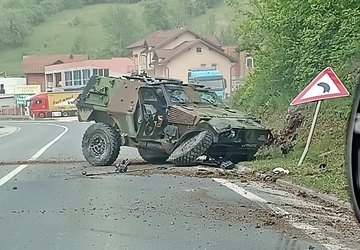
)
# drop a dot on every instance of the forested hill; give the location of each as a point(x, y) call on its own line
point(100, 28)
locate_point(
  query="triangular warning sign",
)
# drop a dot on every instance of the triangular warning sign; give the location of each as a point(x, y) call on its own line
point(325, 86)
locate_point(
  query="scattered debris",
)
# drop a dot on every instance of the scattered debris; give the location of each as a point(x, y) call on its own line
point(279, 170)
point(123, 167)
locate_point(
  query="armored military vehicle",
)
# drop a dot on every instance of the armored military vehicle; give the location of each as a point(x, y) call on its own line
point(164, 119)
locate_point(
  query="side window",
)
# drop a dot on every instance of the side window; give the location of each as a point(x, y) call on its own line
point(38, 101)
point(148, 95)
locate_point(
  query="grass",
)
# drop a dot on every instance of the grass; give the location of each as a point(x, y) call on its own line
point(56, 35)
point(327, 147)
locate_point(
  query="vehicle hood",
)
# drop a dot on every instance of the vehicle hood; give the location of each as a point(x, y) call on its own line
point(221, 117)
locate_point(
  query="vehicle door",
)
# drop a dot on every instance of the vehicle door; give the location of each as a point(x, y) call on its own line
point(152, 118)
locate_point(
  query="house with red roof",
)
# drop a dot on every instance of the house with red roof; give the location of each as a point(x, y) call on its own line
point(170, 53)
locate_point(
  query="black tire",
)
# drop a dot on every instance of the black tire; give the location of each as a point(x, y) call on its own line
point(189, 150)
point(42, 115)
point(65, 114)
point(352, 156)
point(107, 138)
point(153, 157)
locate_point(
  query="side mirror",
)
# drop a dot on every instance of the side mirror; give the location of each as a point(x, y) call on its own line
point(353, 154)
point(225, 83)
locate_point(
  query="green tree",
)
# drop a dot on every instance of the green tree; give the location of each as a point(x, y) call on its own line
point(211, 25)
point(15, 27)
point(156, 14)
point(291, 41)
point(177, 13)
point(227, 35)
point(121, 29)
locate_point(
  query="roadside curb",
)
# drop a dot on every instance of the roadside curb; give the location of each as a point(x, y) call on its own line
point(325, 197)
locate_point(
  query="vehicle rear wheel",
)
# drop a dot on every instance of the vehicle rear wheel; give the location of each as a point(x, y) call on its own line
point(42, 115)
point(189, 150)
point(65, 114)
point(101, 144)
point(153, 157)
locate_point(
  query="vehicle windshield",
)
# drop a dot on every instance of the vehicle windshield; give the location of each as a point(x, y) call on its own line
point(187, 95)
point(215, 84)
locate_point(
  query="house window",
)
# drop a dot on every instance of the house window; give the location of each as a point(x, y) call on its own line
point(2, 89)
point(68, 78)
point(214, 65)
point(101, 72)
point(249, 62)
point(198, 49)
point(203, 65)
point(85, 76)
point(77, 77)
point(95, 72)
point(106, 72)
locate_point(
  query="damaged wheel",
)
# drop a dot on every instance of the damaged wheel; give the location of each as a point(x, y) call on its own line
point(189, 150)
point(152, 157)
point(101, 144)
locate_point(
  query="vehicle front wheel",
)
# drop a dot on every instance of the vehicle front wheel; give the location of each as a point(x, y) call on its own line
point(153, 157)
point(101, 144)
point(189, 150)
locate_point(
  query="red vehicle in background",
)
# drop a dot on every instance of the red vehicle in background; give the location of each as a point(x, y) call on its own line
point(53, 104)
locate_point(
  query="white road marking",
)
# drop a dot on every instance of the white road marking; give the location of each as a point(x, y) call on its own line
point(240, 190)
point(17, 170)
point(307, 228)
point(17, 129)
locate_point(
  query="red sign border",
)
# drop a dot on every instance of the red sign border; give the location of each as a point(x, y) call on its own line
point(334, 78)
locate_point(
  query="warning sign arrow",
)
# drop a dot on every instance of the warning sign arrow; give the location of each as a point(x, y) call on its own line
point(325, 86)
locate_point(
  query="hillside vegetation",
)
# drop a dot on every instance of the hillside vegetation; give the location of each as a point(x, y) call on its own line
point(291, 42)
point(100, 28)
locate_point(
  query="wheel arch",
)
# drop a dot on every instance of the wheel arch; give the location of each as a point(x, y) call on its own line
point(101, 116)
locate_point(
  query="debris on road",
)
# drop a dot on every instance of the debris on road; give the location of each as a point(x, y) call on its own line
point(123, 167)
point(279, 170)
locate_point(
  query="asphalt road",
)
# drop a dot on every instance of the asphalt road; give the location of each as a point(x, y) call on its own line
point(46, 205)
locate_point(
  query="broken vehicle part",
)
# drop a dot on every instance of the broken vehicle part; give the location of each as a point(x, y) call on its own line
point(123, 167)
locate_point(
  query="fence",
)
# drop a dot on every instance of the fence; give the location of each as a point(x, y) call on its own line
point(12, 111)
